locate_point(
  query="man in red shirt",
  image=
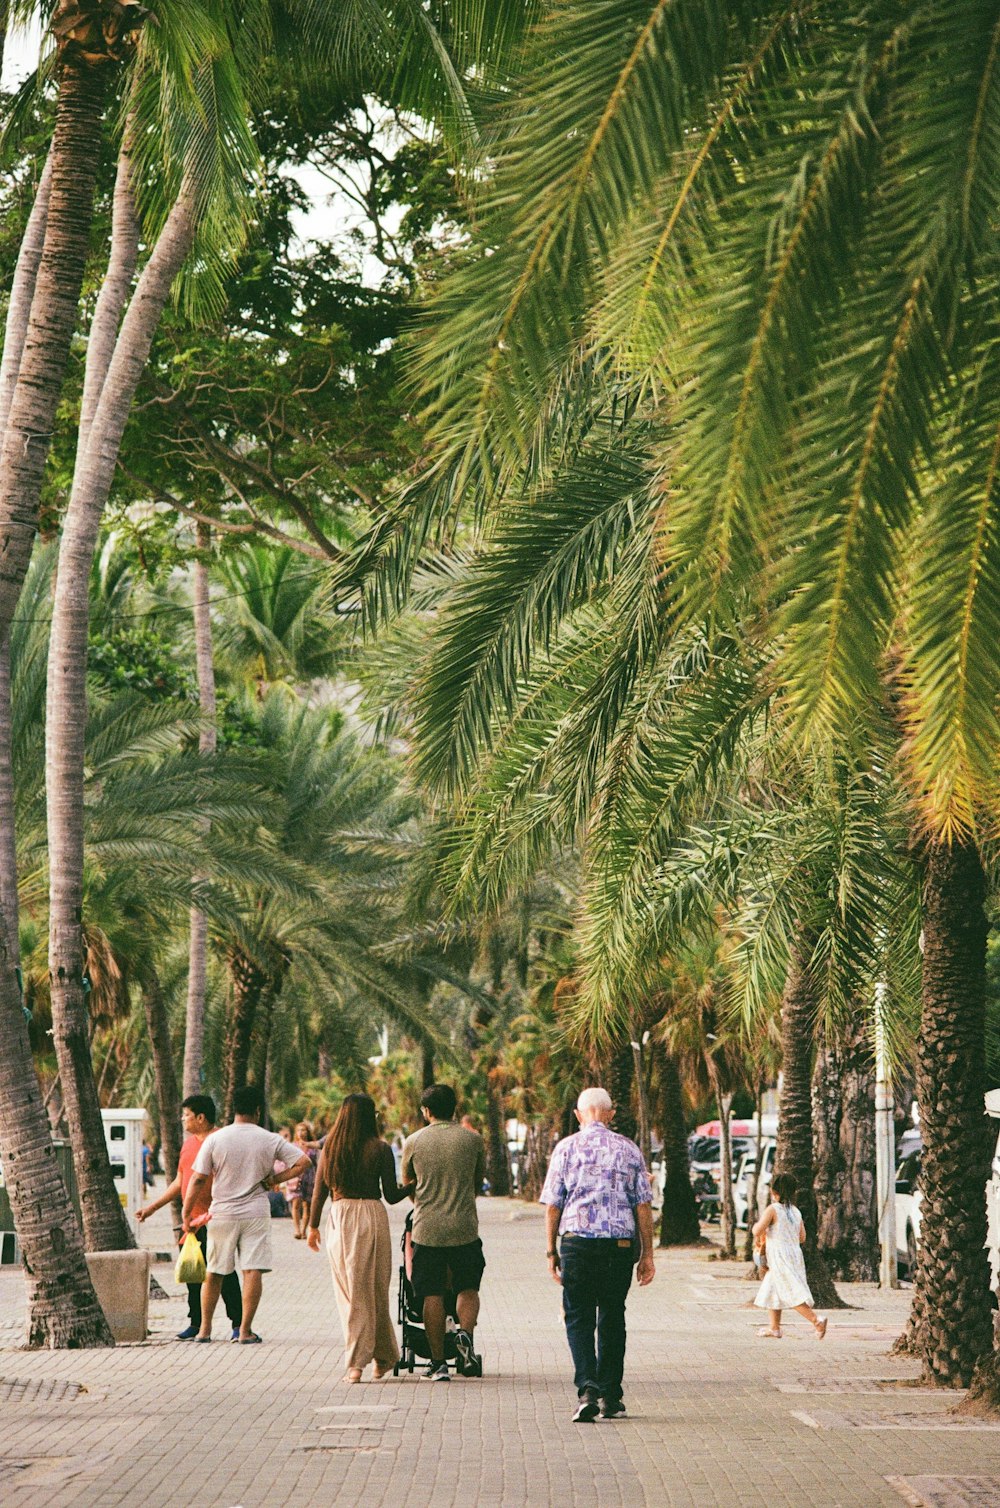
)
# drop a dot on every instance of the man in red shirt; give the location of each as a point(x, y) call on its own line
point(198, 1121)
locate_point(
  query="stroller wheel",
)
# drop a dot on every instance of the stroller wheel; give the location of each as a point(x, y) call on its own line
point(395, 1370)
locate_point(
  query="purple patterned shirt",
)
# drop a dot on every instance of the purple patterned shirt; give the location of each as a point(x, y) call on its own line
point(597, 1178)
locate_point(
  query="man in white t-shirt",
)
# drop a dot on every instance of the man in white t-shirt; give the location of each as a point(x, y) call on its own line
point(240, 1160)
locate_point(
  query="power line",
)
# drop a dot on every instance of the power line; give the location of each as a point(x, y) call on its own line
point(185, 607)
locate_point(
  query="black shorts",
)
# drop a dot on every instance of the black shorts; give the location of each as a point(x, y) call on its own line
point(438, 1270)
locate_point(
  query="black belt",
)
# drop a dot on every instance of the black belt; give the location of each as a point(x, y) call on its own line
point(619, 1242)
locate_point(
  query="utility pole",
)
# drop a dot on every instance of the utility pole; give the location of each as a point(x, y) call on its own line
point(885, 1151)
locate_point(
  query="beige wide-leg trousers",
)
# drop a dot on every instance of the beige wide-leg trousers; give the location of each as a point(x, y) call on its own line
point(359, 1246)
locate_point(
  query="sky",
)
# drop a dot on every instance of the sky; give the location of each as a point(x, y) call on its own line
point(20, 55)
point(329, 215)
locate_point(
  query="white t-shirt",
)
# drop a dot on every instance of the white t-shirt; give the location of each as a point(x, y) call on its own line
point(239, 1158)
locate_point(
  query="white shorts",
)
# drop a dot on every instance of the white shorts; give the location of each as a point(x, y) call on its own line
point(243, 1244)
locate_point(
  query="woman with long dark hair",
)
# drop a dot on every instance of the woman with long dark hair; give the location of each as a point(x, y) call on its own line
point(358, 1170)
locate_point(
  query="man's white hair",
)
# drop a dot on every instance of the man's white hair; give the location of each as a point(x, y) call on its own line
point(593, 1099)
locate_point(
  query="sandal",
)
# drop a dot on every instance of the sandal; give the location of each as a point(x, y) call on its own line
point(821, 1325)
point(354, 1375)
point(380, 1372)
point(768, 1334)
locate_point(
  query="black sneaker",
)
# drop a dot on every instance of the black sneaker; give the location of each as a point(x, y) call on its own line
point(587, 1409)
point(613, 1409)
point(467, 1363)
point(437, 1371)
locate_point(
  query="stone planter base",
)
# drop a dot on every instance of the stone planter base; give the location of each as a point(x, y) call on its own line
point(121, 1281)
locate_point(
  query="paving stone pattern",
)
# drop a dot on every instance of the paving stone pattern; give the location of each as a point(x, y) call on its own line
point(949, 1492)
point(166, 1424)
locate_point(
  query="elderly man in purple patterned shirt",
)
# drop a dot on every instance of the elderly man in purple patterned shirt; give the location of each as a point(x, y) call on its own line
point(599, 1199)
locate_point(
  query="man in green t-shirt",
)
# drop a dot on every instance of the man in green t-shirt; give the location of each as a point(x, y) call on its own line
point(448, 1164)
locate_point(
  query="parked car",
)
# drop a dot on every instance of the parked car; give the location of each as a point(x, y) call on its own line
point(744, 1173)
point(704, 1155)
point(908, 1201)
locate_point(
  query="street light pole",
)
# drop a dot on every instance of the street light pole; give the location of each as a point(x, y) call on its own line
point(885, 1151)
point(640, 1079)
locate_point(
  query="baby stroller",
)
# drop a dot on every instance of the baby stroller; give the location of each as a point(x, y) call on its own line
point(411, 1321)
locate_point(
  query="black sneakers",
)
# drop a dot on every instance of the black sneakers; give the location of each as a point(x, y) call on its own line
point(437, 1371)
point(467, 1363)
point(613, 1409)
point(587, 1409)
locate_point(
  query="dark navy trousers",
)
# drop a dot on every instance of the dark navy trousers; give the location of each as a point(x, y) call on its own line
point(596, 1277)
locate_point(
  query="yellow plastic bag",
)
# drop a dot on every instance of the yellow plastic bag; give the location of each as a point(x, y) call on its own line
point(190, 1264)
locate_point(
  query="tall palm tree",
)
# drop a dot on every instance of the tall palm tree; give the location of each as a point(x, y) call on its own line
point(90, 40)
point(713, 229)
point(115, 361)
point(274, 621)
point(342, 829)
point(697, 1035)
point(664, 756)
point(679, 1225)
point(952, 1275)
point(141, 796)
point(843, 1096)
point(42, 320)
point(194, 1019)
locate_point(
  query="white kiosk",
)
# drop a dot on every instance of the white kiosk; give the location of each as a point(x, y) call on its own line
point(123, 1138)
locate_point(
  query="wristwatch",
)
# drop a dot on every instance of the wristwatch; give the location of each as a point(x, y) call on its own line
point(551, 1253)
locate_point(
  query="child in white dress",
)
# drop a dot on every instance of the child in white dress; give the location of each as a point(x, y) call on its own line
point(780, 1233)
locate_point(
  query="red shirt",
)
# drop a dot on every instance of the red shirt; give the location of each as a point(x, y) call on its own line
point(185, 1167)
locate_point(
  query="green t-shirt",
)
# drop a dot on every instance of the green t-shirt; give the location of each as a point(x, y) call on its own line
point(448, 1165)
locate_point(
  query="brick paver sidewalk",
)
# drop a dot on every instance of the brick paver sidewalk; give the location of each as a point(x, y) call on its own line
point(716, 1416)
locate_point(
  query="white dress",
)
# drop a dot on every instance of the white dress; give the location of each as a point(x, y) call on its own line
point(784, 1285)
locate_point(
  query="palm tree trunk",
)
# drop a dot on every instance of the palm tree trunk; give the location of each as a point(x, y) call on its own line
point(108, 390)
point(753, 1180)
point(539, 1141)
point(950, 1326)
point(844, 1155)
point(18, 315)
point(794, 1153)
point(167, 1095)
point(426, 1064)
point(615, 1070)
point(115, 289)
point(22, 292)
point(724, 1105)
point(9, 904)
point(62, 1307)
point(679, 1217)
point(194, 1035)
point(263, 1034)
point(496, 1137)
point(74, 156)
point(247, 984)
